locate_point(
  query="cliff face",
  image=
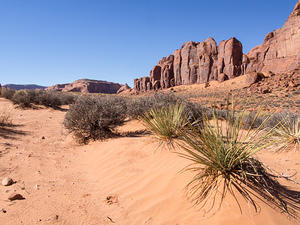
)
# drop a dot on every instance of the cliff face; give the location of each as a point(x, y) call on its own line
point(201, 62)
point(88, 86)
point(280, 49)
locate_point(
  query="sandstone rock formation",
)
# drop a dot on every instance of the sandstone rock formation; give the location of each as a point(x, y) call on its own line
point(280, 50)
point(253, 77)
point(201, 62)
point(195, 63)
point(88, 86)
point(124, 88)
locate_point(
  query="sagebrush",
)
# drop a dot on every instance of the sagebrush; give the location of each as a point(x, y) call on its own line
point(95, 117)
point(29, 98)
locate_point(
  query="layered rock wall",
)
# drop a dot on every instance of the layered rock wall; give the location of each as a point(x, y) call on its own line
point(87, 86)
point(195, 62)
point(201, 62)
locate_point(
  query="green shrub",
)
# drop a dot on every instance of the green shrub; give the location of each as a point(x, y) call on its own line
point(95, 117)
point(167, 122)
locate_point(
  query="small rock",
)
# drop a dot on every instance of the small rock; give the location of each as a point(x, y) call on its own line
point(7, 181)
point(222, 77)
point(252, 78)
point(112, 199)
point(15, 196)
point(3, 210)
point(37, 186)
point(43, 137)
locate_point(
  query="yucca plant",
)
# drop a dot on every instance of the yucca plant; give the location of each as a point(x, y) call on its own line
point(166, 122)
point(222, 156)
point(287, 134)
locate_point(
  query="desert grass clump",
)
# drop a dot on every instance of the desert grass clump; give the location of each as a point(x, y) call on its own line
point(95, 117)
point(166, 122)
point(287, 134)
point(5, 117)
point(222, 156)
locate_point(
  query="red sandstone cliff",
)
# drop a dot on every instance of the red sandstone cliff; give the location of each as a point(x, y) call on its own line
point(201, 62)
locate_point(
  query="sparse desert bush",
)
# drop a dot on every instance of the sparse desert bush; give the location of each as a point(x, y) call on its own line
point(54, 99)
point(67, 98)
point(255, 119)
point(48, 98)
point(7, 92)
point(287, 134)
point(22, 98)
point(167, 122)
point(222, 156)
point(28, 98)
point(140, 105)
point(95, 117)
point(137, 107)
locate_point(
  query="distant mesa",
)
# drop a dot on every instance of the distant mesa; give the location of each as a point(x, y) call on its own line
point(88, 86)
point(201, 62)
point(24, 86)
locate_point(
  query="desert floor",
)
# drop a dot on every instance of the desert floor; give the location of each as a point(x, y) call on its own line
point(124, 181)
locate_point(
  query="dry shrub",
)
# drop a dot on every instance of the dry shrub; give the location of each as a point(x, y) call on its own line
point(7, 93)
point(29, 98)
point(137, 107)
point(95, 117)
point(140, 105)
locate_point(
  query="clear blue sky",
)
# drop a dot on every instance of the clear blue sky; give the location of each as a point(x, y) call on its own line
point(57, 41)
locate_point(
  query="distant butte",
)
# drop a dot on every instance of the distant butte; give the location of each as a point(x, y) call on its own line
point(88, 86)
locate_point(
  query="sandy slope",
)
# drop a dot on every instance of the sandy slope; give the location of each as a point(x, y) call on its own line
point(74, 181)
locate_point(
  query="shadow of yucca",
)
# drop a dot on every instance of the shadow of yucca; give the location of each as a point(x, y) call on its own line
point(137, 133)
point(266, 187)
point(10, 131)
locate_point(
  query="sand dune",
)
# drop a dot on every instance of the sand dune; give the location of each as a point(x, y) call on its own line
point(124, 181)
